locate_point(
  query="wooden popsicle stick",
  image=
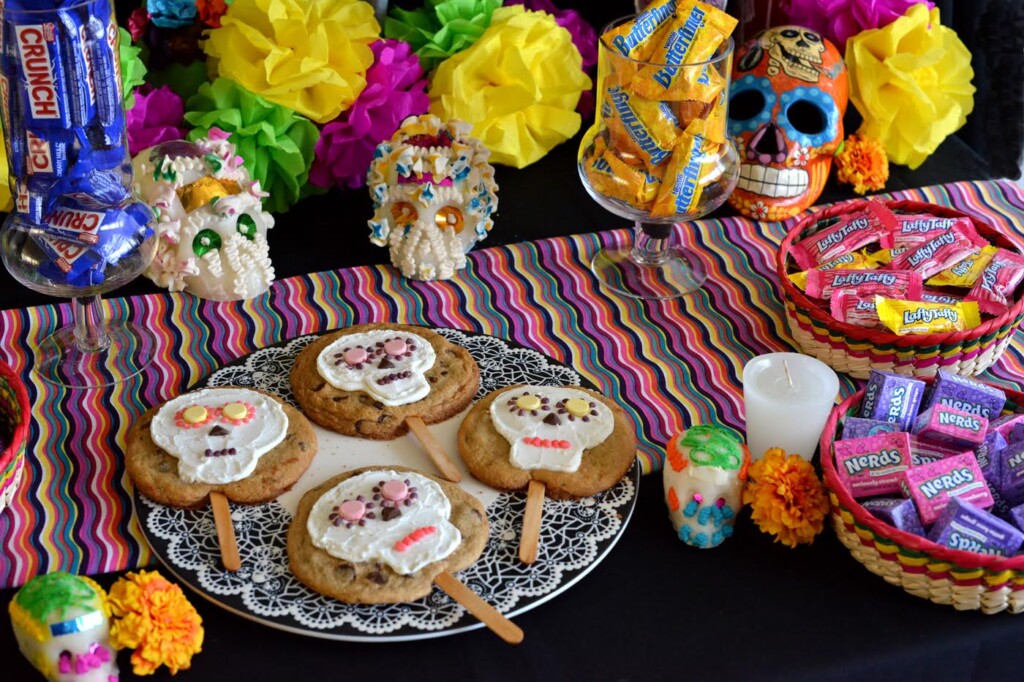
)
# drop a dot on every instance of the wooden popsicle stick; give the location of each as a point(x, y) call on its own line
point(531, 522)
point(225, 531)
point(434, 450)
point(487, 614)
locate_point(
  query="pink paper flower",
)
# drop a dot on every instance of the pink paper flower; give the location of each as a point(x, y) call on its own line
point(138, 22)
point(839, 20)
point(395, 89)
point(155, 118)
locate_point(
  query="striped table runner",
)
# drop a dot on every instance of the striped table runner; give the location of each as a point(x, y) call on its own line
point(671, 364)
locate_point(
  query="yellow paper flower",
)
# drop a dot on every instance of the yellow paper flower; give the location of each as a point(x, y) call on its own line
point(911, 81)
point(153, 616)
point(307, 55)
point(517, 85)
point(862, 163)
point(786, 497)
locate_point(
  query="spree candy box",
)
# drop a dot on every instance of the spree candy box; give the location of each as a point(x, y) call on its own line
point(954, 427)
point(963, 526)
point(873, 465)
point(932, 486)
point(892, 398)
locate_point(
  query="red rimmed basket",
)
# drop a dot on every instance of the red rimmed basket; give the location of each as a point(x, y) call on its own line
point(857, 350)
point(965, 580)
point(14, 421)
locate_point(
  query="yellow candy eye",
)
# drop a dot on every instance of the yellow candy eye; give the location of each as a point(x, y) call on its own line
point(195, 414)
point(235, 411)
point(449, 216)
point(404, 213)
point(528, 402)
point(577, 407)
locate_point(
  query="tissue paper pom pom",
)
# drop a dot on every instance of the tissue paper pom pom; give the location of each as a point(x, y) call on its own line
point(155, 118)
point(840, 20)
point(210, 11)
point(395, 89)
point(786, 497)
point(861, 162)
point(153, 616)
point(443, 28)
point(517, 86)
point(171, 13)
point(307, 55)
point(276, 143)
point(911, 81)
point(584, 37)
point(138, 22)
point(133, 71)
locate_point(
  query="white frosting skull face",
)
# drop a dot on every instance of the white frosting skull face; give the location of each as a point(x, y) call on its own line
point(387, 364)
point(550, 427)
point(61, 626)
point(400, 519)
point(219, 434)
point(210, 220)
point(433, 196)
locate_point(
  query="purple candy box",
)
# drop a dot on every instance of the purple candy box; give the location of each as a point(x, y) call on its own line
point(967, 395)
point(857, 427)
point(966, 527)
point(897, 512)
point(892, 398)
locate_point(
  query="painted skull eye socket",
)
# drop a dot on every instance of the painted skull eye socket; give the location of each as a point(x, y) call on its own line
point(404, 213)
point(812, 37)
point(807, 117)
point(449, 216)
point(746, 105)
point(204, 242)
point(789, 33)
point(246, 226)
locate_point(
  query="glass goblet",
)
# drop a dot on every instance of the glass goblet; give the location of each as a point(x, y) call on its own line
point(658, 162)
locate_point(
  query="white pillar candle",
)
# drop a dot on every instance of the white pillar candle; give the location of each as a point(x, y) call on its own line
point(787, 409)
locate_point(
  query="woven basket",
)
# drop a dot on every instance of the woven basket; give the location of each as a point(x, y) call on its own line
point(14, 421)
point(965, 580)
point(857, 350)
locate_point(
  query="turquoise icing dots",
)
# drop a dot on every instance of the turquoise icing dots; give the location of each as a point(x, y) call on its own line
point(818, 98)
point(761, 85)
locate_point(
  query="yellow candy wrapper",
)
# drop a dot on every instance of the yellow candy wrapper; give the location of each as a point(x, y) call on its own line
point(858, 260)
point(966, 272)
point(917, 317)
point(636, 39)
point(610, 175)
point(652, 126)
point(692, 167)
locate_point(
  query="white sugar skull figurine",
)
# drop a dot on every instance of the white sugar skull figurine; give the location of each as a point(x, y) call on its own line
point(705, 471)
point(433, 196)
point(61, 622)
point(211, 224)
point(786, 104)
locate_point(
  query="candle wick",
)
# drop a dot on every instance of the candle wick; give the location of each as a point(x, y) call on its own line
point(789, 377)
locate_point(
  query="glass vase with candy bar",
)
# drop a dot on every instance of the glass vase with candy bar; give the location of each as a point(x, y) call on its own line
point(658, 153)
point(76, 230)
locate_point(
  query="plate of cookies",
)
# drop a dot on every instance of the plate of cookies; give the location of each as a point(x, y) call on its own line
point(376, 482)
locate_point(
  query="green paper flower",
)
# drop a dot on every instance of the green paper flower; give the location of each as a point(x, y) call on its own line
point(441, 28)
point(133, 71)
point(275, 142)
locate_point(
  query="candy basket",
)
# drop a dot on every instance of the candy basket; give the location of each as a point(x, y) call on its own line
point(965, 580)
point(857, 350)
point(14, 420)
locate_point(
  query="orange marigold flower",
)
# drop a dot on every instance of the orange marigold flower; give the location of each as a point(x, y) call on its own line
point(786, 497)
point(862, 162)
point(153, 616)
point(210, 11)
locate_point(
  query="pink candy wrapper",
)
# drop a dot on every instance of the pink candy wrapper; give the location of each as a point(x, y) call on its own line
point(874, 224)
point(932, 296)
point(914, 230)
point(994, 289)
point(847, 305)
point(931, 486)
point(941, 251)
point(888, 283)
point(873, 465)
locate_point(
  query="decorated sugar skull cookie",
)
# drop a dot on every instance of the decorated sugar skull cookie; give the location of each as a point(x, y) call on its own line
point(387, 364)
point(211, 224)
point(219, 434)
point(549, 427)
point(433, 196)
point(705, 471)
point(61, 622)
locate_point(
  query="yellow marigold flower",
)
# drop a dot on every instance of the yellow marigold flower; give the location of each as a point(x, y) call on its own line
point(153, 616)
point(786, 497)
point(862, 163)
point(911, 81)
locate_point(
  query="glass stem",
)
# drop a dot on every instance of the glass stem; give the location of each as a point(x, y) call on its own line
point(652, 242)
point(90, 327)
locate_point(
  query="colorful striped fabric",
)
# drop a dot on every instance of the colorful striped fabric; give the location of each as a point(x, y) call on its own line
point(671, 364)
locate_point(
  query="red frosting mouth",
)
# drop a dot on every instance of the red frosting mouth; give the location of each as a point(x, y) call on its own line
point(442, 139)
point(423, 179)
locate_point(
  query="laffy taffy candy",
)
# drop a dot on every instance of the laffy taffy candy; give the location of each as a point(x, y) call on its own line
point(966, 272)
point(913, 230)
point(889, 283)
point(995, 287)
point(932, 486)
point(944, 424)
point(940, 252)
point(892, 398)
point(873, 465)
point(965, 527)
point(849, 306)
point(851, 232)
point(918, 317)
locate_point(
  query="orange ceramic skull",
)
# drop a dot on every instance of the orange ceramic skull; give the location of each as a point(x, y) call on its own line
point(786, 104)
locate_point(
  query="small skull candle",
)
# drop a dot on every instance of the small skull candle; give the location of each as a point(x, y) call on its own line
point(61, 622)
point(433, 196)
point(211, 224)
point(705, 471)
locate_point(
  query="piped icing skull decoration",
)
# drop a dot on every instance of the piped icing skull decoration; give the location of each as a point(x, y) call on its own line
point(389, 365)
point(398, 519)
point(219, 434)
point(786, 104)
point(433, 196)
point(704, 475)
point(211, 224)
point(550, 427)
point(61, 622)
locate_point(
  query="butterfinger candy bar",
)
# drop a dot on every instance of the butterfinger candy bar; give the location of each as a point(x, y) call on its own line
point(642, 185)
point(892, 398)
point(889, 283)
point(966, 272)
point(941, 252)
point(917, 317)
point(932, 486)
point(684, 180)
point(999, 280)
point(956, 428)
point(851, 232)
point(965, 527)
point(874, 465)
point(651, 125)
point(635, 39)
